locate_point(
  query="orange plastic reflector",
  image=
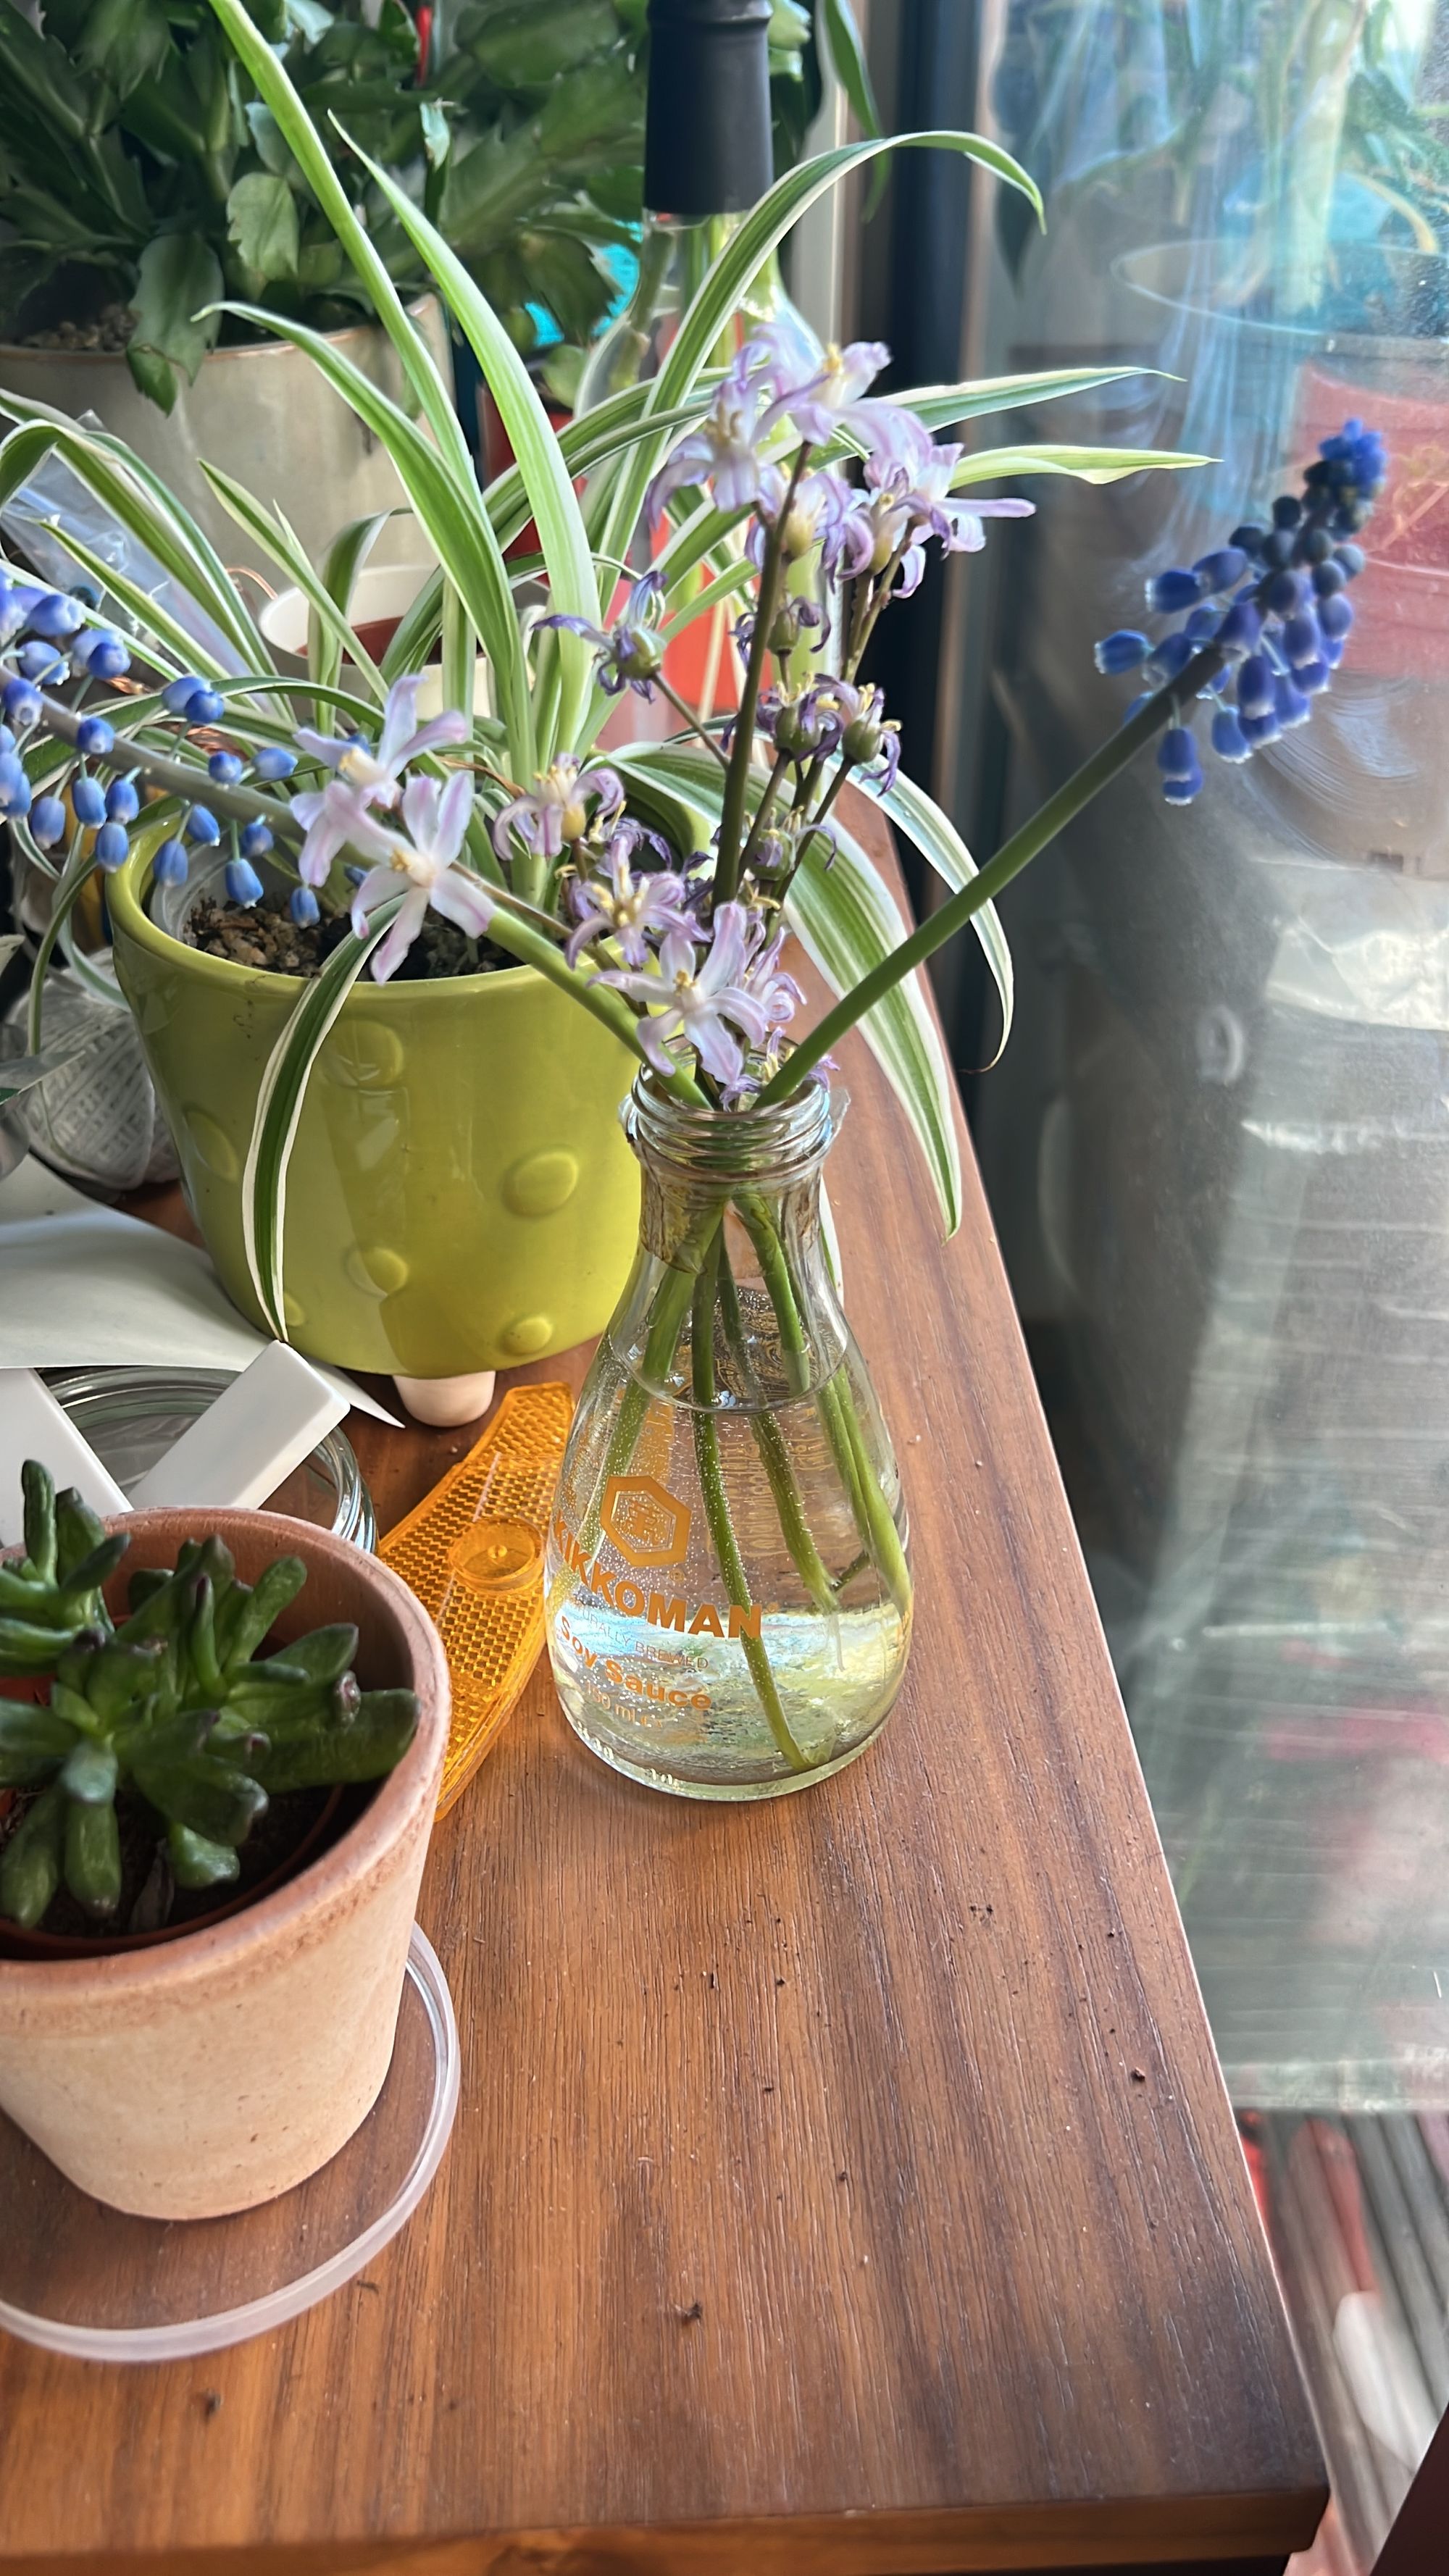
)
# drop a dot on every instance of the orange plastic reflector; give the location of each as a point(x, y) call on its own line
point(472, 1551)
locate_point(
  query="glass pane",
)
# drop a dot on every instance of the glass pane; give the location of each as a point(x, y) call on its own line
point(1218, 1147)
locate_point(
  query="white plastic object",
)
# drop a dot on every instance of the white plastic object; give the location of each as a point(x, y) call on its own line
point(264, 1424)
point(446, 1401)
point(32, 1425)
point(68, 2275)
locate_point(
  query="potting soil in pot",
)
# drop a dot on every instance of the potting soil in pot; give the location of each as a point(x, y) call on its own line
point(265, 935)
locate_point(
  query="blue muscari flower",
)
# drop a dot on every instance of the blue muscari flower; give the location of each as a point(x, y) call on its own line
point(1221, 570)
point(122, 802)
point(303, 906)
point(171, 865)
point(47, 821)
point(1286, 628)
point(55, 616)
point(202, 825)
point(21, 703)
point(88, 801)
point(42, 662)
point(1255, 686)
point(1169, 657)
point(7, 738)
point(1178, 761)
point(225, 768)
point(14, 785)
point(274, 761)
point(177, 696)
point(94, 737)
point(1118, 652)
point(1228, 738)
point(112, 845)
point(1289, 703)
point(1168, 592)
point(243, 884)
point(205, 708)
point(1241, 629)
point(1282, 593)
point(1258, 730)
point(256, 840)
point(1301, 639)
point(100, 652)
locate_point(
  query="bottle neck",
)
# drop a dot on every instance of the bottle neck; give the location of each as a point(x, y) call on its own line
point(736, 1197)
point(707, 140)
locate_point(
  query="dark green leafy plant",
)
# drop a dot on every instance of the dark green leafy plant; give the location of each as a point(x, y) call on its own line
point(142, 179)
point(170, 1707)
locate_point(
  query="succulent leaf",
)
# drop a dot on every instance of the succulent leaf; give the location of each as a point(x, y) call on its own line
point(170, 1706)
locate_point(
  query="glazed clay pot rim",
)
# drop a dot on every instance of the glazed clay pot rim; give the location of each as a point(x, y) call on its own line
point(266, 346)
point(345, 1867)
point(125, 893)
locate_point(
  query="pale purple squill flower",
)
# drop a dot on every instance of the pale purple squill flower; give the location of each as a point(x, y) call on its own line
point(436, 821)
point(705, 1001)
point(558, 810)
point(334, 818)
point(632, 908)
point(374, 774)
point(724, 450)
point(629, 651)
point(834, 399)
point(912, 501)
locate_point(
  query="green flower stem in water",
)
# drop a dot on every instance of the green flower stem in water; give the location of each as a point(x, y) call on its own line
point(873, 1517)
point(774, 1456)
point(716, 1501)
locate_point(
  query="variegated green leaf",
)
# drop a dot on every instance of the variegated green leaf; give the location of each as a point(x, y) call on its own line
point(936, 837)
point(308, 150)
point(460, 533)
point(568, 560)
point(339, 568)
point(278, 1114)
point(285, 549)
point(1087, 464)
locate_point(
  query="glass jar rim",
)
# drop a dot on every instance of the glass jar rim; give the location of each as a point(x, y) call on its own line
point(724, 1147)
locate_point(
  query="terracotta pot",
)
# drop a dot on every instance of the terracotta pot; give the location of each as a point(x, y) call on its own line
point(15, 1942)
point(215, 2071)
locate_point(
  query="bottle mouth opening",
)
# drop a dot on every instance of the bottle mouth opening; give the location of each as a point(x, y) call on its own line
point(776, 1144)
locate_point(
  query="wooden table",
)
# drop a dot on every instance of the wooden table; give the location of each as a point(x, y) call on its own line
point(841, 2187)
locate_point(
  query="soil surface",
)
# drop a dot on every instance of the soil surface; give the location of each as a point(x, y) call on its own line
point(110, 331)
point(265, 935)
point(150, 1898)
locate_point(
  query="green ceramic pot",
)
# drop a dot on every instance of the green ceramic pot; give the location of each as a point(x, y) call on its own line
point(461, 1195)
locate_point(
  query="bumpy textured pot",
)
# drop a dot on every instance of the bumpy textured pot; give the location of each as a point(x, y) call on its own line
point(213, 2072)
point(461, 1196)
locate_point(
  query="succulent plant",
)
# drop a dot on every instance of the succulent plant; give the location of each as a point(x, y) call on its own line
point(172, 1705)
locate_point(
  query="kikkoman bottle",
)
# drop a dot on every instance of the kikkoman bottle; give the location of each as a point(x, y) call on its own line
point(726, 1586)
point(707, 157)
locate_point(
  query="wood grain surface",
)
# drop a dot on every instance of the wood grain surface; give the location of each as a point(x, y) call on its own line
point(842, 2187)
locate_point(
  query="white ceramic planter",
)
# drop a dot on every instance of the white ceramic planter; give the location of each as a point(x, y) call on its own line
point(263, 413)
point(212, 2072)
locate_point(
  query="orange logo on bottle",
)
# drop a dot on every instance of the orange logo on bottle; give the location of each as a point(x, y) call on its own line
point(646, 1523)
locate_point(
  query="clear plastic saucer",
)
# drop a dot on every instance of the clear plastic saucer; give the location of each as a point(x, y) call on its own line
point(78, 2278)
